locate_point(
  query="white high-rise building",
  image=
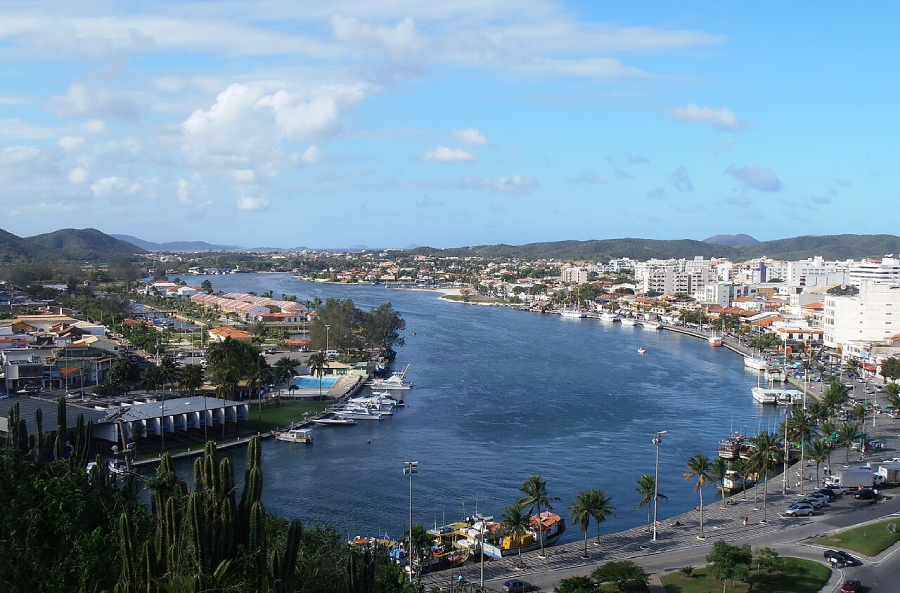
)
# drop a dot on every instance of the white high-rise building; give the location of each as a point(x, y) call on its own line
point(816, 272)
point(872, 315)
point(885, 271)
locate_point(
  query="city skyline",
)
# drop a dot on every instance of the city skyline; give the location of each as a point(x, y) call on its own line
point(390, 124)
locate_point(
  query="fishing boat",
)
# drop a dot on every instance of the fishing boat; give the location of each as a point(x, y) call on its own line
point(654, 325)
point(733, 482)
point(545, 529)
point(372, 543)
point(730, 448)
point(334, 421)
point(641, 350)
point(764, 396)
point(715, 341)
point(573, 313)
point(609, 317)
point(394, 382)
point(295, 435)
point(630, 321)
point(759, 364)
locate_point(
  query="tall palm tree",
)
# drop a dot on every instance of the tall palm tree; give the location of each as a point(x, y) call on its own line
point(258, 375)
point(719, 471)
point(767, 451)
point(515, 523)
point(602, 508)
point(534, 489)
point(847, 433)
point(284, 369)
point(581, 514)
point(192, 380)
point(698, 467)
point(646, 488)
point(800, 427)
point(819, 451)
point(224, 382)
point(168, 374)
point(151, 380)
point(317, 365)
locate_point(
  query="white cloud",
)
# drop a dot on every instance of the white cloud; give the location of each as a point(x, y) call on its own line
point(18, 129)
point(312, 155)
point(756, 177)
point(511, 186)
point(470, 137)
point(442, 154)
point(189, 193)
point(79, 102)
point(720, 118)
point(681, 179)
point(70, 142)
point(120, 187)
point(95, 126)
point(78, 175)
point(243, 176)
point(401, 43)
point(252, 203)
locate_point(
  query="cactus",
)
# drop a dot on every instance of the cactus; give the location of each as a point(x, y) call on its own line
point(148, 565)
point(225, 535)
point(198, 475)
point(257, 549)
point(196, 514)
point(288, 561)
point(13, 423)
point(126, 546)
point(24, 440)
point(226, 480)
point(85, 433)
point(61, 428)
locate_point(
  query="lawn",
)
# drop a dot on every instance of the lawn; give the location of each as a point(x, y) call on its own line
point(869, 540)
point(797, 576)
point(280, 416)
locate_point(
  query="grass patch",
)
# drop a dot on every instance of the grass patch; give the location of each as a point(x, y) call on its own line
point(280, 416)
point(796, 576)
point(869, 540)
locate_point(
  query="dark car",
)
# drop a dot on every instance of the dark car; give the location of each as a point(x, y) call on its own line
point(840, 557)
point(516, 586)
point(831, 494)
point(851, 586)
point(865, 494)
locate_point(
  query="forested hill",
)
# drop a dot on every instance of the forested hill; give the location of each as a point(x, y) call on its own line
point(64, 245)
point(828, 246)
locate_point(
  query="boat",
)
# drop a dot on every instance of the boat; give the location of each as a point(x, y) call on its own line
point(715, 341)
point(776, 375)
point(609, 317)
point(359, 414)
point(641, 350)
point(630, 321)
point(732, 482)
point(295, 435)
point(654, 325)
point(730, 448)
point(574, 313)
point(334, 421)
point(394, 382)
point(118, 467)
point(763, 395)
point(372, 543)
point(759, 364)
point(545, 529)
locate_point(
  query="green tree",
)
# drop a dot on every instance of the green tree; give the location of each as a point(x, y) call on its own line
point(580, 512)
point(729, 562)
point(767, 451)
point(624, 574)
point(646, 488)
point(515, 523)
point(192, 379)
point(317, 365)
point(698, 467)
point(534, 489)
point(206, 286)
point(800, 428)
point(818, 451)
point(576, 584)
point(847, 434)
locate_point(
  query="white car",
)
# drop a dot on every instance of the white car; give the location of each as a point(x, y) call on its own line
point(800, 509)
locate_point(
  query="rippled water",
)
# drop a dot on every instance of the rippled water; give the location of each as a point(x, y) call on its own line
point(501, 395)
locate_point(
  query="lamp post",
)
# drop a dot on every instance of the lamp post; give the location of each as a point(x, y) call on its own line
point(409, 468)
point(656, 441)
point(326, 339)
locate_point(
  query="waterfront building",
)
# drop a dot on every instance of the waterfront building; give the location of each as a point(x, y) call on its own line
point(886, 271)
point(871, 315)
point(673, 276)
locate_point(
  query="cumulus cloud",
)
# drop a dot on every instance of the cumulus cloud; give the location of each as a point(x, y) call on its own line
point(720, 118)
point(588, 177)
point(70, 142)
point(79, 102)
point(312, 155)
point(681, 180)
point(243, 176)
point(619, 171)
point(511, 186)
point(120, 187)
point(252, 203)
point(470, 137)
point(657, 193)
point(78, 175)
point(95, 126)
point(442, 154)
point(190, 193)
point(636, 159)
point(756, 177)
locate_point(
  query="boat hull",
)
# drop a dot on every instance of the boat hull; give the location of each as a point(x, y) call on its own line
point(497, 552)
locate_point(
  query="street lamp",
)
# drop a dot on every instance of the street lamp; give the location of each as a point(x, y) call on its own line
point(656, 441)
point(409, 468)
point(326, 339)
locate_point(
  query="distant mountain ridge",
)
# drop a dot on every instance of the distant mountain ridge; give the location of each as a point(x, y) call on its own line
point(740, 240)
point(64, 245)
point(177, 246)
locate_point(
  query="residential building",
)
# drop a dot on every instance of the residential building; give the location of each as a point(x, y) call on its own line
point(871, 315)
point(886, 271)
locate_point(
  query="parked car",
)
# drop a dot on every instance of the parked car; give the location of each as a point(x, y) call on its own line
point(840, 557)
point(816, 503)
point(834, 491)
point(800, 509)
point(866, 494)
point(516, 586)
point(820, 495)
point(851, 586)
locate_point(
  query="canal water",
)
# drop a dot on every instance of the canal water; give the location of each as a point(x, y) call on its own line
point(500, 395)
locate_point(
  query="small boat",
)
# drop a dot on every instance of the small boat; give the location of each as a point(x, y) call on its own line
point(759, 364)
point(730, 448)
point(763, 395)
point(394, 382)
point(118, 467)
point(295, 435)
point(359, 414)
point(544, 529)
point(654, 325)
point(630, 321)
point(641, 350)
point(334, 421)
point(574, 313)
point(732, 482)
point(609, 317)
point(715, 341)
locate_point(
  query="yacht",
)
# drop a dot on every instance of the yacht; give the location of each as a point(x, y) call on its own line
point(334, 421)
point(295, 435)
point(394, 382)
point(759, 364)
point(609, 317)
point(630, 321)
point(356, 413)
point(574, 313)
point(765, 396)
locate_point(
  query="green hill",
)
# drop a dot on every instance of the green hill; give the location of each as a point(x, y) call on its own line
point(12, 247)
point(79, 245)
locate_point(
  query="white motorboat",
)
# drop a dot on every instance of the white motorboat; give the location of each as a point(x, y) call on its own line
point(609, 317)
point(334, 421)
point(765, 396)
point(394, 382)
point(574, 313)
point(641, 350)
point(295, 435)
point(630, 321)
point(359, 414)
point(654, 325)
point(759, 364)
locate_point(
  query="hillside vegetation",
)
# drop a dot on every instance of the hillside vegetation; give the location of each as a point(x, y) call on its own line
point(65, 245)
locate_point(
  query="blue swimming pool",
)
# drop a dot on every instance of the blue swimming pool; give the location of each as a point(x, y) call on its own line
point(313, 382)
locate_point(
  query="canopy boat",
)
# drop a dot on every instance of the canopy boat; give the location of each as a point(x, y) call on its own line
point(764, 396)
point(295, 435)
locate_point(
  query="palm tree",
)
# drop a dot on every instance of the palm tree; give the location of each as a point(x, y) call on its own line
point(224, 381)
point(767, 451)
point(698, 467)
point(317, 365)
point(516, 524)
point(192, 380)
point(739, 467)
point(258, 375)
point(800, 426)
point(719, 471)
point(581, 514)
point(602, 509)
point(647, 488)
point(819, 451)
point(284, 369)
point(535, 490)
point(847, 432)
point(151, 380)
point(168, 374)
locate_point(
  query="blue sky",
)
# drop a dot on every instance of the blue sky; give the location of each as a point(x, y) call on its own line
point(463, 122)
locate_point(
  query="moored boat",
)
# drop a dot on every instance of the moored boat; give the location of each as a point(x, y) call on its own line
point(334, 421)
point(764, 396)
point(609, 317)
point(641, 350)
point(295, 435)
point(573, 313)
point(759, 364)
point(730, 448)
point(715, 341)
point(733, 482)
point(545, 530)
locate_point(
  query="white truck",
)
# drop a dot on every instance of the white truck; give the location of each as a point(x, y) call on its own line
point(854, 478)
point(890, 473)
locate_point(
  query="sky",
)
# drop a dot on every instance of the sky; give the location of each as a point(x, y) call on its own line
point(446, 124)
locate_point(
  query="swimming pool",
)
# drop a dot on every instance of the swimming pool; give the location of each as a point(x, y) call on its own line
point(313, 382)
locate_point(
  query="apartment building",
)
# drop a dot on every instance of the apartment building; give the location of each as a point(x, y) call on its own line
point(872, 315)
point(886, 271)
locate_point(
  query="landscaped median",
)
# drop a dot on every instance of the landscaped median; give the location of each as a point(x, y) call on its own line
point(869, 540)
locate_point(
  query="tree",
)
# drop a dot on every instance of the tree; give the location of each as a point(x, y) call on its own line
point(800, 427)
point(317, 366)
point(766, 451)
point(646, 488)
point(207, 286)
point(625, 574)
point(534, 489)
point(192, 380)
point(601, 509)
point(719, 471)
point(847, 433)
point(515, 523)
point(581, 514)
point(576, 584)
point(729, 562)
point(283, 369)
point(818, 451)
point(698, 467)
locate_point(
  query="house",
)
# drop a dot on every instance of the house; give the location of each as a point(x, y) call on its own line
point(220, 333)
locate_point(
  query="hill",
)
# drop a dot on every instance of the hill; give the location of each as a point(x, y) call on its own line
point(740, 240)
point(12, 247)
point(75, 245)
point(835, 247)
point(177, 246)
